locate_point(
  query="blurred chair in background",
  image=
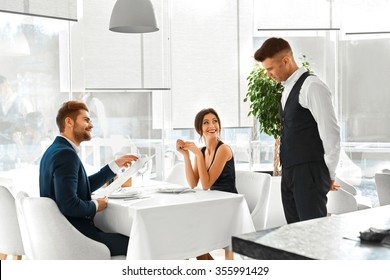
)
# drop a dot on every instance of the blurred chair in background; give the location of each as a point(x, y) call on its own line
point(363, 202)
point(340, 202)
point(382, 184)
point(177, 175)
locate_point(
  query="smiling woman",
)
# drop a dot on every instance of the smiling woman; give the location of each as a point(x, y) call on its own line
point(213, 166)
point(214, 163)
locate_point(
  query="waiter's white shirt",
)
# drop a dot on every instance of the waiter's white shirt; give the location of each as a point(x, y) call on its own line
point(317, 98)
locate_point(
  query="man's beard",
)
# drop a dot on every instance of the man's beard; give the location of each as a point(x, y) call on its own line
point(81, 136)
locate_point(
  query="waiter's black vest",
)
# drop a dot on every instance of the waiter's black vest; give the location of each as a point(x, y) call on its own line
point(300, 139)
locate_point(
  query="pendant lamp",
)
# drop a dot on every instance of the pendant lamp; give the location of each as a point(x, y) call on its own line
point(133, 16)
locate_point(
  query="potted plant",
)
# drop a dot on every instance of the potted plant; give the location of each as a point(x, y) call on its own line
point(264, 95)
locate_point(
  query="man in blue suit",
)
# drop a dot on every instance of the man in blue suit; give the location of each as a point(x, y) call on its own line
point(62, 176)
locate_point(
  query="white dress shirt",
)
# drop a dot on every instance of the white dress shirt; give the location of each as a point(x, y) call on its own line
point(113, 166)
point(317, 98)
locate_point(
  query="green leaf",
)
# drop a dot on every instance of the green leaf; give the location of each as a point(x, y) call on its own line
point(263, 94)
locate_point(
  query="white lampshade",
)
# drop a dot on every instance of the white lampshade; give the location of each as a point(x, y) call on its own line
point(133, 16)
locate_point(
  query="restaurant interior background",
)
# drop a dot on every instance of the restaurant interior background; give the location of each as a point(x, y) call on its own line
point(143, 90)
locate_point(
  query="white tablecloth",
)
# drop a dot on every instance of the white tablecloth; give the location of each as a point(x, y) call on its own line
point(177, 226)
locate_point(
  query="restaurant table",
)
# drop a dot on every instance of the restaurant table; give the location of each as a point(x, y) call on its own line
point(330, 238)
point(176, 226)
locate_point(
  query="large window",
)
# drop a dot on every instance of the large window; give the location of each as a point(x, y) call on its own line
point(29, 91)
point(42, 65)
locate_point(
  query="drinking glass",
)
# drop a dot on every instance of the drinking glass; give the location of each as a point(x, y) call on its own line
point(144, 168)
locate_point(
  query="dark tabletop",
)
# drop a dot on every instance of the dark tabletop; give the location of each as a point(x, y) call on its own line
point(329, 238)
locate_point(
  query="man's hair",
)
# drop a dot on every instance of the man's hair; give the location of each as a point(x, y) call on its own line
point(272, 47)
point(69, 109)
point(199, 119)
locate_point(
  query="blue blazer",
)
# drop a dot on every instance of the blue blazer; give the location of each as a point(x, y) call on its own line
point(62, 177)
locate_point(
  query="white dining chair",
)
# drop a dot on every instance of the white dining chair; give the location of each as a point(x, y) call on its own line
point(48, 235)
point(256, 189)
point(275, 217)
point(363, 202)
point(341, 201)
point(10, 238)
point(177, 175)
point(382, 184)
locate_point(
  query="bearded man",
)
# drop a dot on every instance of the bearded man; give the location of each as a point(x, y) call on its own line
point(62, 176)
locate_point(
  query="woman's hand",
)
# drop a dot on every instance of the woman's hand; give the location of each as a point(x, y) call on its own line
point(190, 146)
point(180, 147)
point(184, 147)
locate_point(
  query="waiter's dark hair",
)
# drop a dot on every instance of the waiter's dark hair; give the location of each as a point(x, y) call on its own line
point(272, 47)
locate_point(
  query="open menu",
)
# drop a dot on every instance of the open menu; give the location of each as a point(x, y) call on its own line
point(123, 177)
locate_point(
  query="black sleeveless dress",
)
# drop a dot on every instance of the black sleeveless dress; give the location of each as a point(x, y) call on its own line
point(227, 180)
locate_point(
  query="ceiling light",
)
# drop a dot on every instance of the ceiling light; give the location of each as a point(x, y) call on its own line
point(133, 16)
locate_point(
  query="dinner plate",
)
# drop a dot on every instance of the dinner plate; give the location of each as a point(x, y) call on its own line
point(174, 189)
point(122, 193)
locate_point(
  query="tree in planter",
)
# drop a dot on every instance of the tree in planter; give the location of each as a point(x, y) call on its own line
point(264, 95)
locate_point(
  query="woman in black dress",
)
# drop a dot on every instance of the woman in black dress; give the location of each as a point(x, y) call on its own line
point(213, 164)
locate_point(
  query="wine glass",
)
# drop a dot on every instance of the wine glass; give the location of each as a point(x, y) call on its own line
point(144, 168)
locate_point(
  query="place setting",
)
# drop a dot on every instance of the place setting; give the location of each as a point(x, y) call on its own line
point(175, 189)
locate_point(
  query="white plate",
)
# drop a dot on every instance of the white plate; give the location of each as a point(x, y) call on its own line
point(173, 189)
point(122, 193)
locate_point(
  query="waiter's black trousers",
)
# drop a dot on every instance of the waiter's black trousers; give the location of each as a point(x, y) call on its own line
point(304, 189)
